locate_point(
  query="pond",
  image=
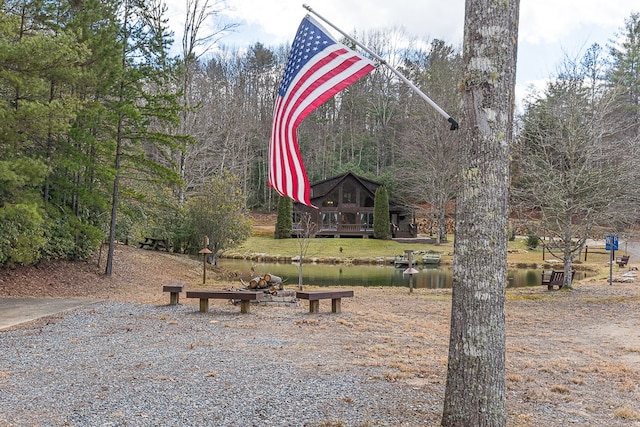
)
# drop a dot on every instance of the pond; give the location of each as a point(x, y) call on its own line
point(371, 275)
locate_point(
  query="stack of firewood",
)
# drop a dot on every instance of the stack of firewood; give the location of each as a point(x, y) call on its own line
point(269, 282)
point(428, 226)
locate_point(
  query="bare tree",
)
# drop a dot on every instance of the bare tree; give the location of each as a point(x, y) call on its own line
point(571, 161)
point(195, 43)
point(475, 389)
point(429, 151)
point(305, 231)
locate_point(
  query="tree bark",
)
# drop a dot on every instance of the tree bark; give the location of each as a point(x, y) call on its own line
point(475, 389)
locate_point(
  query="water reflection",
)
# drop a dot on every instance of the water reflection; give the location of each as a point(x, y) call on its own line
point(370, 275)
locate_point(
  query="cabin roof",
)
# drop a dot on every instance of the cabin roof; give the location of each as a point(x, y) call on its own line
point(322, 188)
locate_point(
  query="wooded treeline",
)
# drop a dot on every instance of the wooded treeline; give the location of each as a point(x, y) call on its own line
point(105, 136)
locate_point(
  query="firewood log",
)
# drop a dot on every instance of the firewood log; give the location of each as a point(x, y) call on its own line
point(274, 280)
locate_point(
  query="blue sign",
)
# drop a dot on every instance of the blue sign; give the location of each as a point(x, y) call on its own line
point(611, 242)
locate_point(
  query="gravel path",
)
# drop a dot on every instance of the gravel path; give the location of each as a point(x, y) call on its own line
point(573, 358)
point(112, 364)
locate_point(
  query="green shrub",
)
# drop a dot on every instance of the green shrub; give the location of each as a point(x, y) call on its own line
point(21, 234)
point(69, 238)
point(533, 241)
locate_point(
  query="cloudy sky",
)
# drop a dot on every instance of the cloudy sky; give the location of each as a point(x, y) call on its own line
point(548, 29)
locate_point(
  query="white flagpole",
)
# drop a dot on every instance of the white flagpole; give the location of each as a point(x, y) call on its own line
point(454, 123)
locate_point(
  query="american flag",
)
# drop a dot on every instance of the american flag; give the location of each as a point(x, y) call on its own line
point(317, 68)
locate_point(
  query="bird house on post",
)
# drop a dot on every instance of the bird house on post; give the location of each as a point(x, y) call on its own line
point(410, 271)
point(204, 252)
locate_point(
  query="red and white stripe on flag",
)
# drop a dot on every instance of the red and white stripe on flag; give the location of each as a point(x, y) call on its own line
point(317, 68)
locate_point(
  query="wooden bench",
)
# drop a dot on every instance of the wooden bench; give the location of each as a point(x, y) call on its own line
point(315, 297)
point(174, 289)
point(244, 297)
point(622, 261)
point(554, 278)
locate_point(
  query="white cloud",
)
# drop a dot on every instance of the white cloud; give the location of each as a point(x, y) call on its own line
point(548, 29)
point(541, 21)
point(554, 21)
point(527, 89)
point(277, 20)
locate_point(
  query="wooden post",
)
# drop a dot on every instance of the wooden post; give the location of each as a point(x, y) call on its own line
point(204, 253)
point(336, 305)
point(204, 305)
point(245, 306)
point(314, 306)
point(173, 298)
point(410, 270)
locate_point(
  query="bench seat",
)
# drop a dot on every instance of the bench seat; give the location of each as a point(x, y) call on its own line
point(174, 289)
point(622, 261)
point(554, 278)
point(244, 297)
point(314, 298)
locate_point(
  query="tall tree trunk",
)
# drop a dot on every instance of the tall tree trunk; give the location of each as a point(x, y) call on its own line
point(114, 207)
point(475, 390)
point(119, 142)
point(568, 254)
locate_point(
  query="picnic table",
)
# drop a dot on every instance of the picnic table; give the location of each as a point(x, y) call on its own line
point(155, 244)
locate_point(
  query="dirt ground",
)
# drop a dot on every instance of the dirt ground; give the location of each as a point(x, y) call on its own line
point(573, 357)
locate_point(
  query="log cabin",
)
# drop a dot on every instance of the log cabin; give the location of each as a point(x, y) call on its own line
point(345, 209)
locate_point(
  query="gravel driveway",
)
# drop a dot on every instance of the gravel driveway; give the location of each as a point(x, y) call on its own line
point(114, 364)
point(573, 358)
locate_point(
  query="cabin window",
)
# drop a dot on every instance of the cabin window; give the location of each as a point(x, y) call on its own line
point(348, 218)
point(366, 220)
point(348, 193)
point(330, 220)
point(368, 202)
point(331, 200)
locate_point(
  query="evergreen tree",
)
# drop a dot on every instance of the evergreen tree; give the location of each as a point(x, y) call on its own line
point(625, 77)
point(284, 221)
point(42, 62)
point(381, 214)
point(21, 218)
point(144, 105)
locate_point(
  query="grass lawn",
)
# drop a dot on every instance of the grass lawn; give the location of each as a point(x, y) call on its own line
point(337, 248)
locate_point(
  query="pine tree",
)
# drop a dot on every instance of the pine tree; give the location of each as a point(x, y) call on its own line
point(42, 62)
point(284, 221)
point(625, 77)
point(381, 214)
point(144, 108)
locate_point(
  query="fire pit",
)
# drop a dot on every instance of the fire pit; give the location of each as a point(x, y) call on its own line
point(274, 294)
